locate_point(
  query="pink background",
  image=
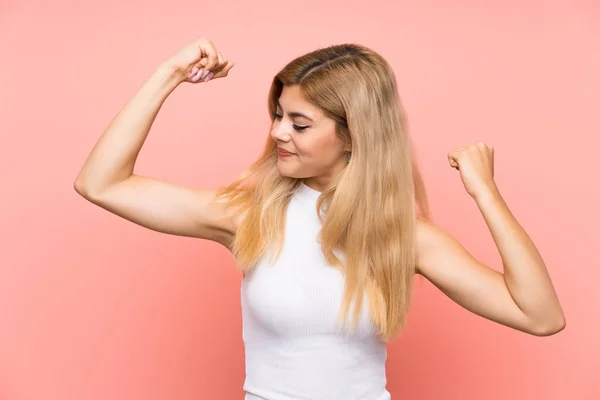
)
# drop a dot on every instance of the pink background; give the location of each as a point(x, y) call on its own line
point(95, 307)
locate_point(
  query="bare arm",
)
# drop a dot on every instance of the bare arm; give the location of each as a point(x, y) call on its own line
point(107, 178)
point(113, 158)
point(527, 303)
point(523, 296)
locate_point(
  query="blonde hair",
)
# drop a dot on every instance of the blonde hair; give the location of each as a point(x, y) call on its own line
point(371, 206)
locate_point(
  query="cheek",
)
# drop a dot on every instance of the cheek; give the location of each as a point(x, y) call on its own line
point(319, 149)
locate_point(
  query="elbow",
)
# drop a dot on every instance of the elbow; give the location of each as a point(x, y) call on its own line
point(81, 187)
point(84, 189)
point(88, 186)
point(549, 328)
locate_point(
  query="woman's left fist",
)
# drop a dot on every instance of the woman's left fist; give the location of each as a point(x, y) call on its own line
point(476, 166)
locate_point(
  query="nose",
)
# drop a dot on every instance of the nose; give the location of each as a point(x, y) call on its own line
point(281, 131)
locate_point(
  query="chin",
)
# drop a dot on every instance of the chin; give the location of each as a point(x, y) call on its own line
point(285, 172)
point(292, 172)
point(284, 168)
point(289, 173)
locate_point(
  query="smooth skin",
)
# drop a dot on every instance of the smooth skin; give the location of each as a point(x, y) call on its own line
point(107, 177)
point(522, 297)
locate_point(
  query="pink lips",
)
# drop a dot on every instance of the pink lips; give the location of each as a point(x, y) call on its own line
point(283, 152)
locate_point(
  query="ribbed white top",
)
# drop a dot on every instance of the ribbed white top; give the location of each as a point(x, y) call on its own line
point(294, 349)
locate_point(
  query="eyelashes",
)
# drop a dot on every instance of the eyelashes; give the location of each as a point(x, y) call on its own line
point(298, 128)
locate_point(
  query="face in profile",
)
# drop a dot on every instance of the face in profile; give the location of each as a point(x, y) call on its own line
point(318, 153)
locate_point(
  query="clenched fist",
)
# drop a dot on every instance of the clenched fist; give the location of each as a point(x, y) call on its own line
point(199, 61)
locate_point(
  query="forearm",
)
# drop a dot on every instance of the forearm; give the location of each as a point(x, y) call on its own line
point(113, 157)
point(525, 272)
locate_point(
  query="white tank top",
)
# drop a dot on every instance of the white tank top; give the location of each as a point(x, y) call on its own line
point(294, 348)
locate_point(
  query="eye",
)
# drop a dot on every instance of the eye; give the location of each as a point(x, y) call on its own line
point(297, 128)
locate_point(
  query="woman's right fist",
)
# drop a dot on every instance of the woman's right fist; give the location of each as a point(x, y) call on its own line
point(199, 62)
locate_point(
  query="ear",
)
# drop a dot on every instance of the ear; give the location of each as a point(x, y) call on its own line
point(347, 146)
point(346, 143)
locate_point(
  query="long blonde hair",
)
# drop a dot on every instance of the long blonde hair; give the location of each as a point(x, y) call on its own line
point(371, 206)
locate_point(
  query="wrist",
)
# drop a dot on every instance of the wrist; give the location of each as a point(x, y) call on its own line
point(489, 194)
point(168, 76)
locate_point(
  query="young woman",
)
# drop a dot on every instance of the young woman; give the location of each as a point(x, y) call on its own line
point(330, 221)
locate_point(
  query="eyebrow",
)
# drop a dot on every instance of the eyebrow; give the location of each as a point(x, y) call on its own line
point(295, 114)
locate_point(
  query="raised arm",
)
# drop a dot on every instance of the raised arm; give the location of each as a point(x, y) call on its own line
point(522, 296)
point(107, 177)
